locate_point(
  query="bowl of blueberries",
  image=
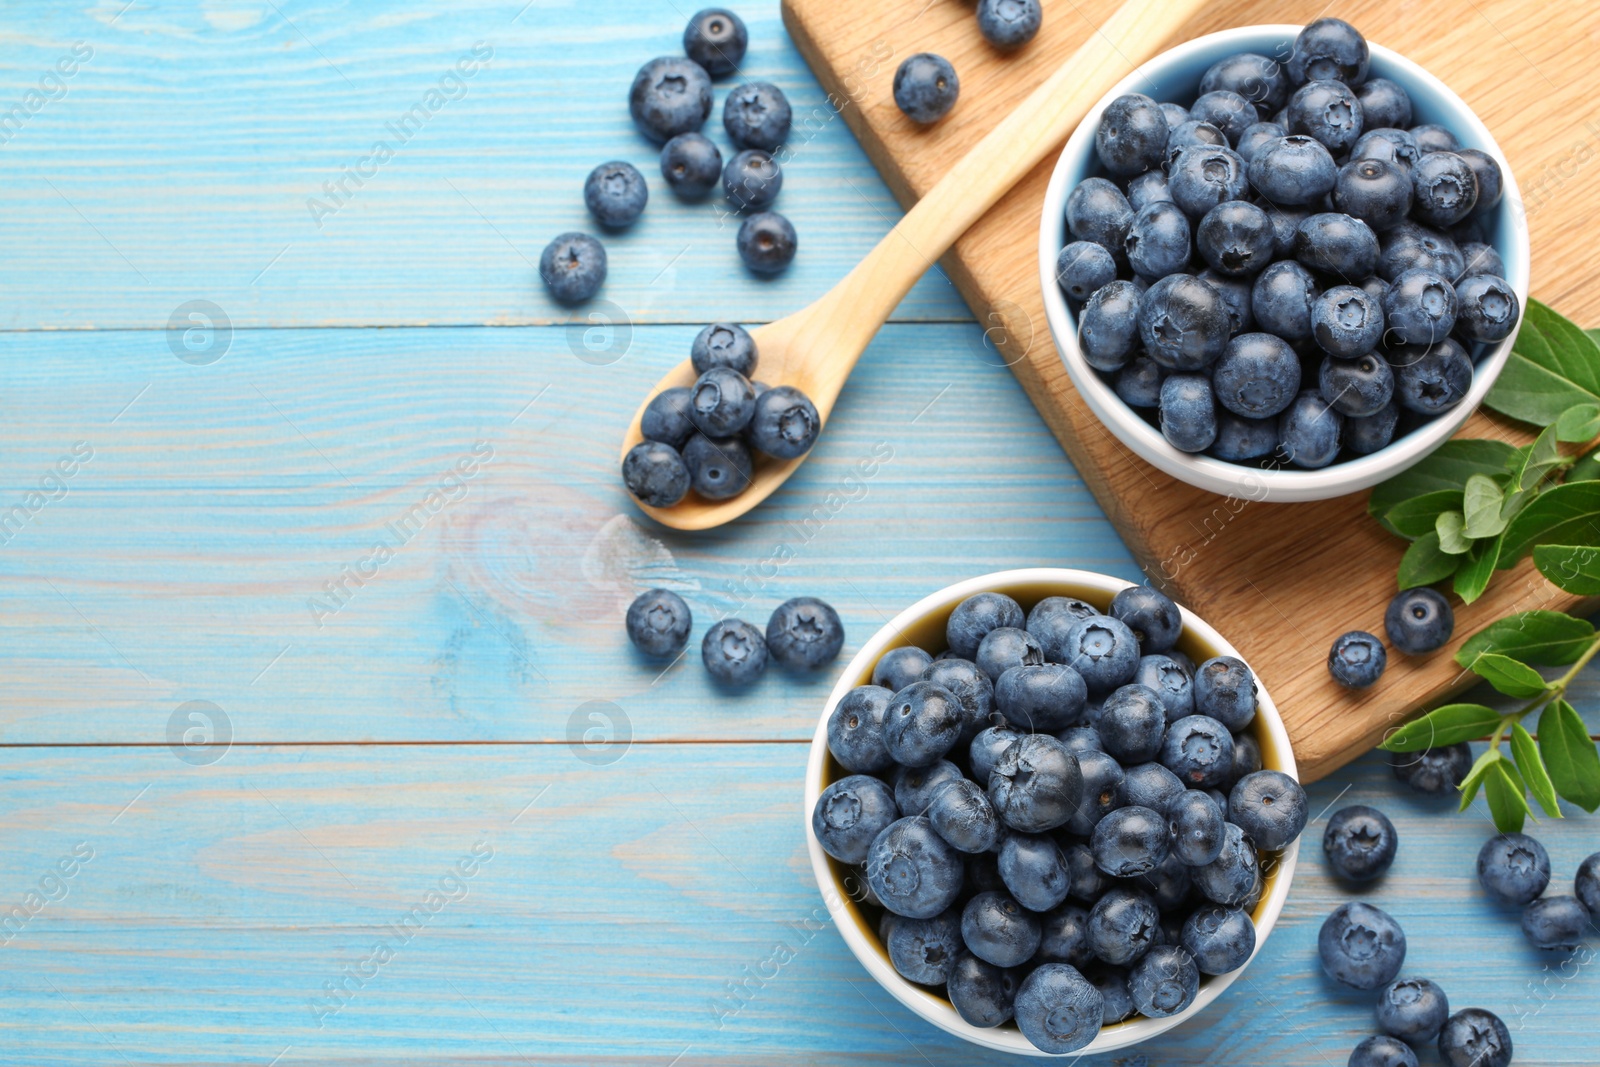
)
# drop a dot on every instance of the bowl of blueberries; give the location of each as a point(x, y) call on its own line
point(1052, 811)
point(1283, 263)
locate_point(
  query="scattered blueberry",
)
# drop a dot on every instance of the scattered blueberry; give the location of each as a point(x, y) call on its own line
point(1474, 1037)
point(926, 87)
point(1513, 868)
point(1357, 659)
point(804, 632)
point(719, 468)
point(1380, 1050)
point(734, 652)
point(767, 242)
point(670, 95)
point(752, 180)
point(1360, 843)
point(1419, 620)
point(615, 194)
point(849, 816)
point(757, 116)
point(723, 344)
point(658, 623)
point(1586, 885)
point(573, 267)
point(1009, 24)
point(1361, 946)
point(1412, 1009)
point(1555, 924)
point(655, 474)
point(1434, 771)
point(716, 39)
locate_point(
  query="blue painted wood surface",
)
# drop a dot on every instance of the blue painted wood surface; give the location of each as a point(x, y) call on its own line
point(626, 904)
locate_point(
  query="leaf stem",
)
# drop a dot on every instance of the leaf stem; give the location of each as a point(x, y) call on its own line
point(1556, 691)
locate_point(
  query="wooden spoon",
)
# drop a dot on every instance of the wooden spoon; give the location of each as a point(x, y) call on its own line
point(815, 348)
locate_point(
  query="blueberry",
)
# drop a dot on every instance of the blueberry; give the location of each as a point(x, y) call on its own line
point(1082, 268)
point(1337, 244)
point(723, 344)
point(658, 623)
point(998, 930)
point(1149, 188)
point(923, 722)
point(767, 242)
point(1387, 144)
point(1357, 658)
point(1474, 1037)
point(1150, 785)
point(971, 686)
point(1434, 771)
point(615, 194)
point(1040, 697)
point(784, 423)
point(1227, 110)
point(850, 814)
point(804, 632)
point(1309, 431)
point(1130, 841)
point(1380, 1050)
point(1199, 750)
point(1176, 114)
point(1097, 211)
point(1491, 183)
point(1486, 308)
point(1258, 375)
point(1131, 723)
point(722, 402)
point(1270, 806)
point(756, 116)
point(1586, 885)
point(899, 667)
point(1139, 383)
point(1204, 176)
point(1419, 308)
point(1513, 868)
point(1260, 80)
point(1293, 170)
point(1384, 103)
point(1329, 49)
point(1555, 923)
point(1183, 322)
point(734, 652)
point(974, 618)
point(1189, 132)
point(913, 871)
point(1356, 387)
point(1064, 937)
point(1285, 224)
point(916, 787)
point(1006, 647)
point(926, 87)
point(1235, 293)
point(1408, 246)
point(1218, 796)
point(1374, 191)
point(1246, 756)
point(1036, 784)
point(666, 417)
point(987, 748)
point(1169, 681)
point(1430, 380)
point(1281, 300)
point(670, 95)
point(1112, 982)
point(1034, 869)
point(1132, 136)
point(719, 468)
point(1431, 137)
point(1479, 258)
point(1050, 620)
point(1443, 188)
point(1361, 946)
point(1244, 440)
point(1412, 1009)
point(716, 39)
point(1104, 651)
point(1009, 24)
point(752, 179)
point(925, 950)
point(961, 814)
point(1256, 137)
point(1327, 111)
point(1102, 789)
point(573, 267)
point(1346, 322)
point(1235, 238)
point(1195, 829)
point(1156, 240)
point(981, 993)
point(1124, 924)
point(855, 730)
point(1419, 620)
point(1164, 982)
point(1360, 843)
point(1080, 740)
point(1234, 877)
point(655, 474)
point(1089, 883)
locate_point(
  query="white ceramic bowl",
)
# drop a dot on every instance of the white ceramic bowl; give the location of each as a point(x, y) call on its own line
point(1175, 75)
point(923, 623)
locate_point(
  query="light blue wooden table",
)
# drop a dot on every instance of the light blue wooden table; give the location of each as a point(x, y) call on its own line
point(403, 745)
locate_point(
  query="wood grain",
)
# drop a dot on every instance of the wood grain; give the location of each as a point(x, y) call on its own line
point(1287, 578)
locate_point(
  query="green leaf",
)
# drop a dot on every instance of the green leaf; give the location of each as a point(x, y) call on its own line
point(1586, 469)
point(1579, 424)
point(1448, 527)
point(1443, 726)
point(1424, 563)
point(1564, 515)
point(1553, 365)
point(1573, 568)
point(1508, 676)
point(1536, 460)
point(1447, 467)
point(1482, 502)
point(1533, 772)
point(1507, 803)
point(1474, 779)
point(1414, 517)
point(1543, 638)
point(1472, 576)
point(1569, 755)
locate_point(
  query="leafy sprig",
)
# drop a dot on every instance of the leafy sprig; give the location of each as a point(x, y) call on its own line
point(1475, 507)
point(1561, 761)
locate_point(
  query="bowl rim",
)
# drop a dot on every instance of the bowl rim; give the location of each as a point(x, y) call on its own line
point(1275, 484)
point(1278, 753)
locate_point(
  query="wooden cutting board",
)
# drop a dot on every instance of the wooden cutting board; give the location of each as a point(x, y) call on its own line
point(1280, 580)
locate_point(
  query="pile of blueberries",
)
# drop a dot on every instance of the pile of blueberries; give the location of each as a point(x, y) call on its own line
point(1288, 270)
point(926, 86)
point(1062, 818)
point(703, 437)
point(670, 101)
point(804, 633)
point(1363, 947)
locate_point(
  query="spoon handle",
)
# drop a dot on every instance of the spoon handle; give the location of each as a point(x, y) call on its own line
point(866, 296)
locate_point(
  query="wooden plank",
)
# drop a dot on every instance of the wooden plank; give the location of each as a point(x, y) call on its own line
point(1265, 565)
point(179, 161)
point(610, 924)
point(184, 558)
